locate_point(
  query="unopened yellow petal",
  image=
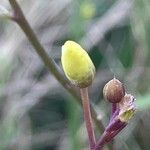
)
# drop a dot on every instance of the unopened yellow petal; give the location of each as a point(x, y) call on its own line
point(127, 108)
point(77, 64)
point(126, 115)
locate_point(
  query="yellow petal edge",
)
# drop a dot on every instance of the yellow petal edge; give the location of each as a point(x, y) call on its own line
point(126, 115)
point(77, 65)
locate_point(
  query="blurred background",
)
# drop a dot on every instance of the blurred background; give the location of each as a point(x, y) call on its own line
point(36, 112)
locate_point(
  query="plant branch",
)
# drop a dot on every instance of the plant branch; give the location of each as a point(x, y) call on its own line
point(113, 134)
point(107, 137)
point(113, 128)
point(87, 116)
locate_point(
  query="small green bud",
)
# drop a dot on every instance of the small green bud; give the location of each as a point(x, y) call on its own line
point(77, 64)
point(114, 91)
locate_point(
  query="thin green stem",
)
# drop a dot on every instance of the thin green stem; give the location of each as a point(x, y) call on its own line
point(87, 117)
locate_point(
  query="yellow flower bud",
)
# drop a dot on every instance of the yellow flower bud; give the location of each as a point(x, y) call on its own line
point(77, 64)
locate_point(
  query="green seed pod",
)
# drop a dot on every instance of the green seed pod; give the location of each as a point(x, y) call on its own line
point(77, 64)
point(114, 91)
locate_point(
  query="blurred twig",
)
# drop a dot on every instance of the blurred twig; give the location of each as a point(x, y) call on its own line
point(48, 61)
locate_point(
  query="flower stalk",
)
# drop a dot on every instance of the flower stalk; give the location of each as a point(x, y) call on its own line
point(114, 108)
point(87, 117)
point(122, 111)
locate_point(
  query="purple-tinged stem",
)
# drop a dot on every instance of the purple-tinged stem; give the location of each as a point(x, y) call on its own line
point(107, 136)
point(114, 108)
point(100, 144)
point(87, 117)
point(114, 115)
point(113, 134)
point(115, 124)
point(114, 127)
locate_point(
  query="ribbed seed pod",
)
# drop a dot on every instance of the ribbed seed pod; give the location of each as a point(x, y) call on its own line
point(114, 91)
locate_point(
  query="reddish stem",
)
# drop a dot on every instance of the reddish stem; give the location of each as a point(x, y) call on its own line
point(113, 134)
point(87, 117)
point(114, 127)
point(114, 108)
